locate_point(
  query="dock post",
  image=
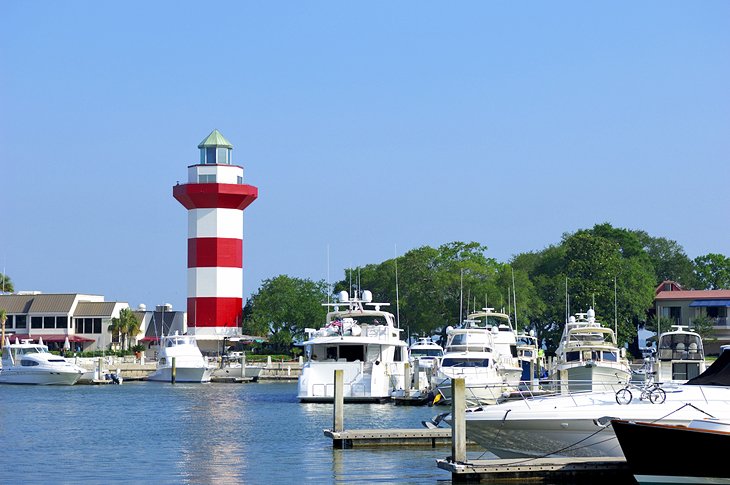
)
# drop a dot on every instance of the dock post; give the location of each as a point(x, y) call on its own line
point(243, 364)
point(417, 376)
point(407, 379)
point(99, 372)
point(458, 424)
point(172, 371)
point(338, 401)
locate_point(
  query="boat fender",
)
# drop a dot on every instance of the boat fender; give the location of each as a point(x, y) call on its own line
point(377, 362)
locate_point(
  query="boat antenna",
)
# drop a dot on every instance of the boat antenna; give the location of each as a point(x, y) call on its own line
point(615, 309)
point(397, 304)
point(509, 300)
point(567, 301)
point(329, 288)
point(350, 272)
point(461, 296)
point(514, 295)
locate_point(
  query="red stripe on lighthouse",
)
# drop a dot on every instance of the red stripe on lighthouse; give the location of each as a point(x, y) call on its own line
point(215, 312)
point(215, 252)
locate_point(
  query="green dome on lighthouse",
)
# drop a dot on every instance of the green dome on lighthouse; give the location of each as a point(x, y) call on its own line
point(215, 149)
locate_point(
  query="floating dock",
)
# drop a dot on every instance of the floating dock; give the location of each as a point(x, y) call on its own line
point(390, 437)
point(552, 470)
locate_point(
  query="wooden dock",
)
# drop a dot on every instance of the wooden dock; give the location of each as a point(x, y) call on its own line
point(553, 470)
point(431, 437)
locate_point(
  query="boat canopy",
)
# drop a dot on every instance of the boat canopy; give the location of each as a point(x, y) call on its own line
point(718, 374)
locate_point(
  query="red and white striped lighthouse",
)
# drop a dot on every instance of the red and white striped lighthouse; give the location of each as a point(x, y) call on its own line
point(215, 197)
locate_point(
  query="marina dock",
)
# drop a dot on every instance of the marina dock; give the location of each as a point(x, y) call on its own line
point(553, 470)
point(390, 437)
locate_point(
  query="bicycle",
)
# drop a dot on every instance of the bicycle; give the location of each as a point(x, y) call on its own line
point(650, 391)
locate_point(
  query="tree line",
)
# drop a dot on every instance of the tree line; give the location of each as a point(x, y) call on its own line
point(613, 270)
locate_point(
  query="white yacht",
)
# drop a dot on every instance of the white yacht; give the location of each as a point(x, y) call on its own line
point(681, 355)
point(527, 354)
point(471, 353)
point(362, 340)
point(30, 363)
point(426, 352)
point(190, 365)
point(588, 357)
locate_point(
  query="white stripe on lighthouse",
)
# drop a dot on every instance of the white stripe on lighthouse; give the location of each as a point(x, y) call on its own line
point(215, 282)
point(223, 223)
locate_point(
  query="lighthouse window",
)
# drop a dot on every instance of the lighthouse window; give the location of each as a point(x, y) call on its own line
point(210, 155)
point(206, 179)
point(223, 155)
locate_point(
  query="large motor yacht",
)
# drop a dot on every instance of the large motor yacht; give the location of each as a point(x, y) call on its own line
point(182, 352)
point(484, 353)
point(588, 357)
point(31, 363)
point(362, 340)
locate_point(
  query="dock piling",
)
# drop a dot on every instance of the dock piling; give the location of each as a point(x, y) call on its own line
point(173, 371)
point(458, 423)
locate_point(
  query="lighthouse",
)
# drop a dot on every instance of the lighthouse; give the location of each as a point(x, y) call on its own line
point(215, 197)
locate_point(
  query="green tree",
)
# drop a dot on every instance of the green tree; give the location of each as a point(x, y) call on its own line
point(712, 271)
point(703, 324)
point(6, 286)
point(283, 307)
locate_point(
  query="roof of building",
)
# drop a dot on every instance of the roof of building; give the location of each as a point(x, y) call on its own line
point(16, 303)
point(215, 139)
point(94, 309)
point(49, 303)
point(693, 295)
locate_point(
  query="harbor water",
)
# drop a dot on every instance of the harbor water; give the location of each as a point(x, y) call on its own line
point(148, 432)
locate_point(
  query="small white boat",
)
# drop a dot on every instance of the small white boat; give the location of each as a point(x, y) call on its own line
point(579, 424)
point(30, 363)
point(426, 352)
point(588, 357)
point(181, 351)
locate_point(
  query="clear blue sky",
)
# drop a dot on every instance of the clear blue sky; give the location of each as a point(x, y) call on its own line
point(369, 128)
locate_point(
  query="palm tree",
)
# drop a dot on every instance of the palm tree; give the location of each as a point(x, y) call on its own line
point(3, 318)
point(6, 286)
point(133, 327)
point(126, 325)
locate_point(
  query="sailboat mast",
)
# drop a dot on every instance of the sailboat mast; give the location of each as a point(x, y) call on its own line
point(514, 296)
point(397, 304)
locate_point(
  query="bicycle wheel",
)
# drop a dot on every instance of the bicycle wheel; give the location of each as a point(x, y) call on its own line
point(623, 396)
point(657, 395)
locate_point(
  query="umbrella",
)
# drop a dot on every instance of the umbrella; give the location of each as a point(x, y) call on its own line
point(40, 340)
point(66, 344)
point(16, 341)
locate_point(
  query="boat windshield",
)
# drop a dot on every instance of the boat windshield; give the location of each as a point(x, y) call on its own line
point(426, 353)
point(459, 362)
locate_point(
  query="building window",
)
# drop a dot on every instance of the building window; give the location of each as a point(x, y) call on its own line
point(673, 313)
point(79, 325)
point(36, 322)
point(49, 322)
point(20, 321)
point(61, 322)
point(9, 321)
point(97, 325)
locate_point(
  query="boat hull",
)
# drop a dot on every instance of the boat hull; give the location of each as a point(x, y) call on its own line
point(182, 374)
point(41, 377)
point(362, 382)
point(578, 425)
point(651, 453)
